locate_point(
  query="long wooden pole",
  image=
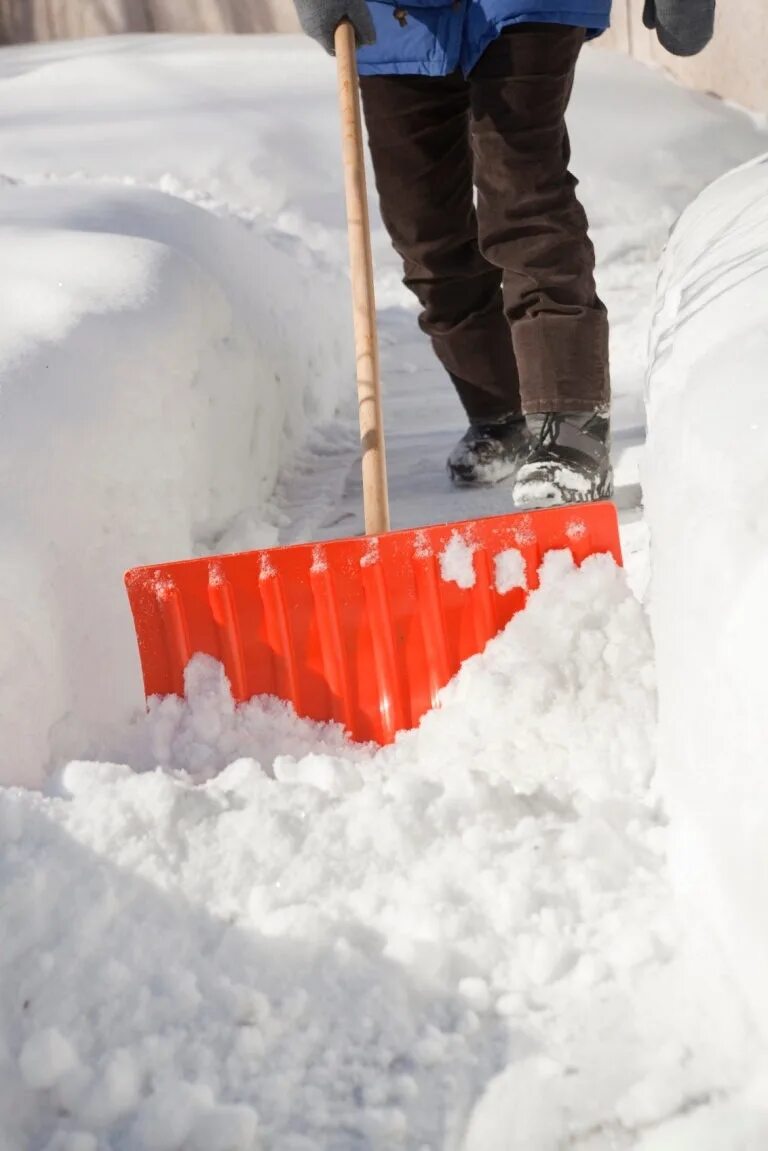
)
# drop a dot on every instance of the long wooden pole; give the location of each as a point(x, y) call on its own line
point(375, 498)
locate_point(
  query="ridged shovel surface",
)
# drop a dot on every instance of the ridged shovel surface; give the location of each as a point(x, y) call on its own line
point(363, 631)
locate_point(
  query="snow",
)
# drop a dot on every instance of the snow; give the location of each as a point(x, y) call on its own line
point(457, 563)
point(321, 934)
point(706, 478)
point(144, 415)
point(339, 939)
point(46, 1058)
point(229, 929)
point(510, 571)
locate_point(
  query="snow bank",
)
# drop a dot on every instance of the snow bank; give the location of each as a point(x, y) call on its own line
point(152, 384)
point(332, 946)
point(706, 479)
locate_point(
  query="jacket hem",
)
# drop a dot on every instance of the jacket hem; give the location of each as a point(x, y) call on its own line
point(403, 68)
point(591, 16)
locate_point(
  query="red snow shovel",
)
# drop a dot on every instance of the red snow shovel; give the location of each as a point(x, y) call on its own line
point(362, 631)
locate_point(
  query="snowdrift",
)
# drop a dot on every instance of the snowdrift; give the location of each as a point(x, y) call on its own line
point(312, 947)
point(152, 385)
point(280, 940)
point(706, 478)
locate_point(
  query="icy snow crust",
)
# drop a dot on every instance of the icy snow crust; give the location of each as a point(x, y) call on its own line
point(236, 931)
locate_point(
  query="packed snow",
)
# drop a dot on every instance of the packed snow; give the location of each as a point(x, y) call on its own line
point(226, 929)
point(707, 475)
point(144, 414)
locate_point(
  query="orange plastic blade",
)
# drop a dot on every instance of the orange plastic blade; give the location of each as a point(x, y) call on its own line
point(363, 631)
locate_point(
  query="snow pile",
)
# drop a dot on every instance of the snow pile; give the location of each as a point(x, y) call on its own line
point(152, 388)
point(328, 945)
point(461, 941)
point(706, 479)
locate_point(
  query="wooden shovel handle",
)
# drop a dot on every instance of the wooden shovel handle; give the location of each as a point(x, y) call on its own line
point(375, 499)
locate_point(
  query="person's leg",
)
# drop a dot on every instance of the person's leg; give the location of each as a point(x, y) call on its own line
point(418, 130)
point(533, 228)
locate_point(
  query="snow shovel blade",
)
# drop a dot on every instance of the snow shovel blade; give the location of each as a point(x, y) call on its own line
point(362, 631)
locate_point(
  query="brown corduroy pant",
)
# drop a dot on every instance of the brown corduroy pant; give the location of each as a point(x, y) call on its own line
point(507, 284)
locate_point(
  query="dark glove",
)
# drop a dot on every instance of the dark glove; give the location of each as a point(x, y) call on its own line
point(321, 18)
point(683, 27)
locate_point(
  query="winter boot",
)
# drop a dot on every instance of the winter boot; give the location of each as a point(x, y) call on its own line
point(570, 459)
point(490, 451)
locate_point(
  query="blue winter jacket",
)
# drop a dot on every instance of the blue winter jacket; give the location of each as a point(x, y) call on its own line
point(435, 37)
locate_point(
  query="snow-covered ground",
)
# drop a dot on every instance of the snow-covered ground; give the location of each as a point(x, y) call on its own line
point(467, 941)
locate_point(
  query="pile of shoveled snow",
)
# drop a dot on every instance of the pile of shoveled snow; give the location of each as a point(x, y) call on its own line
point(152, 389)
point(333, 946)
point(706, 477)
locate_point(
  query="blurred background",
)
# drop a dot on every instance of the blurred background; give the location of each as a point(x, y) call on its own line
point(23, 20)
point(735, 66)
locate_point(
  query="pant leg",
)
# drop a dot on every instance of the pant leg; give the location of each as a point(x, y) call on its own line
point(531, 224)
point(418, 130)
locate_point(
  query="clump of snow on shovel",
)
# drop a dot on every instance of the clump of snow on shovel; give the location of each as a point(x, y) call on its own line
point(509, 571)
point(457, 563)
